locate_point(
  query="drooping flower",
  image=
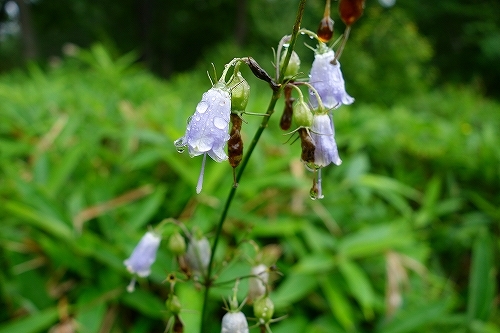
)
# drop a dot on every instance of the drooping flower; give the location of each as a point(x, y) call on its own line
point(328, 81)
point(142, 257)
point(257, 284)
point(234, 322)
point(323, 134)
point(207, 130)
point(198, 254)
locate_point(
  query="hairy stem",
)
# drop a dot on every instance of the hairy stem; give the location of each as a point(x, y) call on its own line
point(270, 110)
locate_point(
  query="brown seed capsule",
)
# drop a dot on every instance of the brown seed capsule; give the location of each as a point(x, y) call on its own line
point(307, 145)
point(260, 73)
point(325, 29)
point(351, 10)
point(286, 118)
point(178, 325)
point(235, 144)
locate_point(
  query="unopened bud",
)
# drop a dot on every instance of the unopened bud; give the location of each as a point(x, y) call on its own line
point(177, 244)
point(240, 92)
point(325, 29)
point(302, 115)
point(173, 304)
point(293, 65)
point(263, 309)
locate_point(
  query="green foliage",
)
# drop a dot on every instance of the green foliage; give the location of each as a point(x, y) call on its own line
point(404, 241)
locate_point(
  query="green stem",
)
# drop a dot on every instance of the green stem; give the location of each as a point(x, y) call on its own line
point(270, 110)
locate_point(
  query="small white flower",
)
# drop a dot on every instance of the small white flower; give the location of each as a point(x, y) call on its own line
point(144, 255)
point(207, 130)
point(198, 254)
point(234, 322)
point(323, 134)
point(257, 283)
point(328, 81)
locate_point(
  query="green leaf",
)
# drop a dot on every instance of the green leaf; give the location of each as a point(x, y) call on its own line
point(315, 263)
point(294, 288)
point(481, 280)
point(359, 285)
point(338, 302)
point(374, 240)
point(28, 215)
point(416, 320)
point(33, 323)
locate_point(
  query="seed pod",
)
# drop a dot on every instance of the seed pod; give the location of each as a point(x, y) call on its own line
point(351, 10)
point(307, 145)
point(325, 29)
point(286, 117)
point(260, 73)
point(235, 144)
point(178, 325)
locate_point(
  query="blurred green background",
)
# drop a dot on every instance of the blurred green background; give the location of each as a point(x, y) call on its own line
point(93, 94)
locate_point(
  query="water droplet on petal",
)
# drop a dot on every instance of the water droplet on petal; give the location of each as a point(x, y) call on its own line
point(180, 149)
point(220, 123)
point(202, 107)
point(197, 118)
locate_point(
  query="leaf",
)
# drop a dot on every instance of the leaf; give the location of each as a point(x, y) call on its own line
point(374, 240)
point(294, 288)
point(416, 320)
point(338, 302)
point(359, 285)
point(315, 263)
point(29, 215)
point(481, 280)
point(33, 323)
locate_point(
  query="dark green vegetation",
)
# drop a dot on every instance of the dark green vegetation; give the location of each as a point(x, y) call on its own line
point(406, 239)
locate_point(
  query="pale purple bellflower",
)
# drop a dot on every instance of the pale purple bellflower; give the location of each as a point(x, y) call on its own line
point(325, 152)
point(328, 81)
point(143, 256)
point(323, 134)
point(207, 130)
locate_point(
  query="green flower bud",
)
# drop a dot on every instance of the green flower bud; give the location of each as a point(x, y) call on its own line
point(240, 92)
point(263, 309)
point(293, 65)
point(302, 115)
point(173, 304)
point(177, 244)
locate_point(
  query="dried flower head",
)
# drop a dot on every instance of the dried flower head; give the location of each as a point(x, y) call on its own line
point(328, 81)
point(207, 130)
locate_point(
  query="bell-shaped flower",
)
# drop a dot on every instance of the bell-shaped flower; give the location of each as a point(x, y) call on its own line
point(207, 130)
point(144, 255)
point(257, 283)
point(328, 81)
point(323, 134)
point(234, 322)
point(198, 254)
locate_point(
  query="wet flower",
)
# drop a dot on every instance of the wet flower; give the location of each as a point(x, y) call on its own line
point(323, 134)
point(234, 322)
point(328, 81)
point(207, 130)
